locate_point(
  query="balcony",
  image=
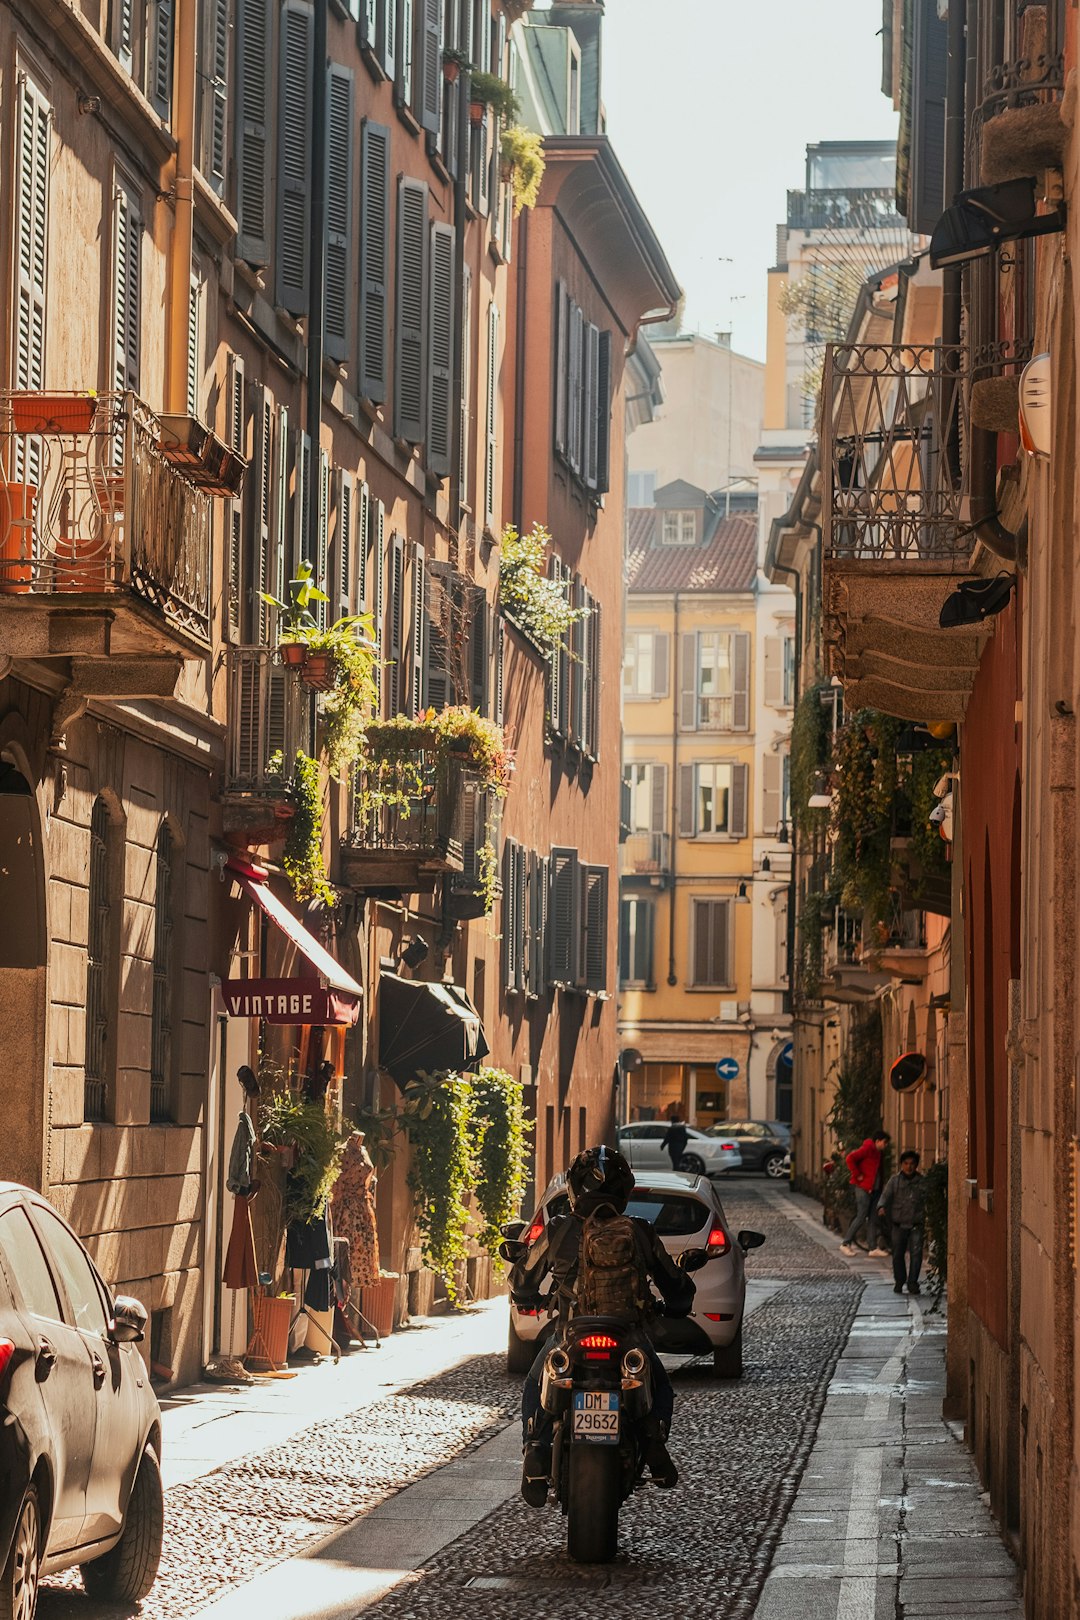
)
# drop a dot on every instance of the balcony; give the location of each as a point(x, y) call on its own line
point(474, 890)
point(1018, 129)
point(645, 857)
point(270, 719)
point(894, 527)
point(408, 821)
point(847, 974)
point(856, 208)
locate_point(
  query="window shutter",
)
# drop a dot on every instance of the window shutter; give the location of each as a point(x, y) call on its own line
point(194, 347)
point(374, 248)
point(771, 789)
point(591, 404)
point(740, 776)
point(645, 931)
point(926, 178)
point(438, 687)
point(395, 627)
point(564, 914)
point(411, 310)
point(562, 353)
point(127, 275)
point(511, 923)
point(466, 386)
point(592, 678)
point(482, 147)
point(427, 99)
point(595, 909)
point(294, 159)
point(573, 387)
point(344, 545)
point(492, 411)
point(658, 800)
point(322, 545)
point(711, 949)
point(661, 664)
point(361, 533)
point(538, 933)
point(302, 456)
point(33, 165)
point(236, 438)
point(125, 33)
point(260, 476)
point(406, 26)
point(160, 75)
point(480, 655)
point(603, 414)
point(339, 210)
point(280, 568)
point(419, 625)
point(576, 727)
point(626, 805)
point(500, 667)
point(687, 801)
point(740, 682)
point(369, 24)
point(252, 158)
point(377, 518)
point(387, 31)
point(441, 353)
point(774, 672)
point(690, 679)
point(216, 123)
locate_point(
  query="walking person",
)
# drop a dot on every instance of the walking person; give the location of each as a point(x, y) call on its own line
point(864, 1164)
point(904, 1204)
point(675, 1139)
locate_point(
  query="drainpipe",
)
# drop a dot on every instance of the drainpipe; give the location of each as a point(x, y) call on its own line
point(460, 359)
point(793, 831)
point(672, 977)
point(318, 282)
point(181, 242)
point(519, 379)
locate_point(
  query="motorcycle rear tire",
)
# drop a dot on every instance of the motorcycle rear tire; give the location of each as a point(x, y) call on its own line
point(595, 1496)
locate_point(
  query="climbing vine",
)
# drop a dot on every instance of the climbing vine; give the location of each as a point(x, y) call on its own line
point(937, 1227)
point(500, 1150)
point(438, 1119)
point(303, 857)
point(856, 1110)
point(809, 745)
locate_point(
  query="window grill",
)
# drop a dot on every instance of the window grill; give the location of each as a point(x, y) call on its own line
point(97, 966)
point(161, 1022)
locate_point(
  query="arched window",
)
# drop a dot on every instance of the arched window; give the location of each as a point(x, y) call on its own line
point(161, 1056)
point(99, 968)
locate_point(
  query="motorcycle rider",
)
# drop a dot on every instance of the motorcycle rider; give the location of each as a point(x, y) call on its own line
point(598, 1179)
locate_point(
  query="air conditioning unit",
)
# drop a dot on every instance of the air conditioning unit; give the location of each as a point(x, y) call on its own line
point(729, 1012)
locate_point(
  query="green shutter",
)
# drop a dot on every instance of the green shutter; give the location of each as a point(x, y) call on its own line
point(252, 129)
point(339, 210)
point(294, 159)
point(441, 351)
point(410, 313)
point(374, 256)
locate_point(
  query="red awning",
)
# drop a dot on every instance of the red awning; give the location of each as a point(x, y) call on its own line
point(324, 995)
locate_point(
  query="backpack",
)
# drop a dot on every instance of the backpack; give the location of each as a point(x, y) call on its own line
point(610, 1280)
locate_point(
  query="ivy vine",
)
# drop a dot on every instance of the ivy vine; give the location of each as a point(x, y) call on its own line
point(809, 747)
point(500, 1146)
point(438, 1117)
point(857, 1106)
point(303, 860)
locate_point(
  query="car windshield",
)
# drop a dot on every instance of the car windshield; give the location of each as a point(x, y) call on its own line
point(672, 1214)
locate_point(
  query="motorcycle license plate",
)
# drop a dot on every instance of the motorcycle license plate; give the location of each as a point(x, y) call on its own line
point(596, 1416)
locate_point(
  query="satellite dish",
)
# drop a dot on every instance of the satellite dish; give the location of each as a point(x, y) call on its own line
point(907, 1071)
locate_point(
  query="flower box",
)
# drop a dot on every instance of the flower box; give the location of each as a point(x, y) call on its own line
point(17, 502)
point(52, 413)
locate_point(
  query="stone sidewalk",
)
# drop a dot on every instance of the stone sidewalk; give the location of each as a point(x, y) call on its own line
point(889, 1518)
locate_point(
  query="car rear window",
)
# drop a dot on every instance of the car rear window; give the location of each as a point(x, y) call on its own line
point(672, 1214)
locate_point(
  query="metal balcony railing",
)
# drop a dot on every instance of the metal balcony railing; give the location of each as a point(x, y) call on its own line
point(903, 929)
point(890, 453)
point(91, 503)
point(843, 209)
point(1020, 54)
point(270, 720)
point(645, 855)
point(845, 939)
point(411, 803)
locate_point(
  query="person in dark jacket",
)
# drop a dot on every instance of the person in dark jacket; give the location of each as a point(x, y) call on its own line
point(903, 1203)
point(864, 1164)
point(598, 1178)
point(675, 1139)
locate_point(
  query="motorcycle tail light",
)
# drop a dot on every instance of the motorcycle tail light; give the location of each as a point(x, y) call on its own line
point(7, 1350)
point(718, 1241)
point(598, 1341)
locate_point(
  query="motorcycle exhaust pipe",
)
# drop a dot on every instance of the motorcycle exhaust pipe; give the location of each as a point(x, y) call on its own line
point(558, 1362)
point(633, 1363)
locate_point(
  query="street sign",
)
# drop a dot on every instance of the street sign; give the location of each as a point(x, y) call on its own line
point(787, 1056)
point(728, 1068)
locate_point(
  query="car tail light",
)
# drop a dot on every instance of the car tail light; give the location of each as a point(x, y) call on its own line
point(598, 1341)
point(718, 1241)
point(719, 1316)
point(535, 1230)
point(727, 1147)
point(7, 1350)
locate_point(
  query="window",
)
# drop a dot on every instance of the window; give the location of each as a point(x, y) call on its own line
point(161, 1045)
point(780, 671)
point(789, 672)
point(126, 284)
point(80, 1284)
point(214, 93)
point(710, 945)
point(578, 902)
point(715, 681)
point(640, 488)
point(25, 1264)
point(293, 257)
point(636, 929)
point(582, 426)
point(574, 685)
point(679, 528)
point(645, 668)
point(100, 966)
point(775, 791)
point(410, 313)
point(524, 919)
point(712, 799)
point(645, 798)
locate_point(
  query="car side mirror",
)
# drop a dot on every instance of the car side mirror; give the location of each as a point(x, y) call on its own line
point(513, 1253)
point(692, 1259)
point(751, 1240)
point(513, 1229)
point(128, 1325)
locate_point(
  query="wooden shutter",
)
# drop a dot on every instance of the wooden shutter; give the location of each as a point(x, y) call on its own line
point(661, 667)
point(127, 279)
point(419, 625)
point(772, 771)
point(740, 776)
point(595, 931)
point(280, 564)
point(369, 24)
point(538, 930)
point(500, 668)
point(590, 406)
point(710, 944)
point(260, 475)
point(160, 66)
point(925, 198)
point(564, 931)
point(374, 249)
point(482, 154)
point(410, 314)
point(302, 459)
point(574, 387)
point(492, 412)
point(361, 533)
point(322, 549)
point(377, 521)
point(253, 35)
point(774, 671)
point(216, 104)
point(480, 654)
point(687, 801)
point(562, 362)
point(603, 414)
point(403, 82)
point(658, 798)
point(593, 667)
point(388, 36)
point(33, 165)
point(125, 33)
point(428, 79)
point(466, 461)
point(294, 158)
point(194, 345)
point(689, 682)
point(236, 437)
point(339, 210)
point(740, 681)
point(343, 574)
point(576, 720)
point(395, 626)
point(441, 351)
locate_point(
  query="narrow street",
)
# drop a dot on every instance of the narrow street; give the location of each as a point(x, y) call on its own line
point(824, 1483)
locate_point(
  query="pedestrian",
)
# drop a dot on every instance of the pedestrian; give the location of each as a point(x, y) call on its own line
point(864, 1163)
point(903, 1203)
point(675, 1138)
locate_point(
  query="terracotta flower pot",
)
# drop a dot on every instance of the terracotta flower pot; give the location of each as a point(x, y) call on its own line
point(109, 493)
point(52, 413)
point(294, 654)
point(477, 112)
point(377, 1304)
point(17, 503)
point(271, 1317)
point(319, 671)
point(451, 72)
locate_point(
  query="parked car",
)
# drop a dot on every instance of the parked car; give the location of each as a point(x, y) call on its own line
point(705, 1155)
point(687, 1214)
point(762, 1143)
point(80, 1426)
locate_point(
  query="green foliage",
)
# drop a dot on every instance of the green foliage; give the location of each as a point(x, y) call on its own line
point(437, 1116)
point(382, 1134)
point(350, 643)
point(865, 774)
point(288, 1120)
point(937, 1226)
point(297, 620)
point(490, 91)
point(809, 750)
point(303, 858)
point(856, 1110)
point(459, 732)
point(500, 1150)
point(927, 768)
point(531, 599)
point(816, 910)
point(487, 875)
point(523, 154)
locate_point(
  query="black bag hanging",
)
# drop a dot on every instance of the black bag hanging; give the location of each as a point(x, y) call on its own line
point(976, 599)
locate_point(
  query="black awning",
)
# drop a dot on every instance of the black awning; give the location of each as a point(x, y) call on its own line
point(426, 1028)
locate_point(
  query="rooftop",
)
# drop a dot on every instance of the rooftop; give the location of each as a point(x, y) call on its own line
point(727, 561)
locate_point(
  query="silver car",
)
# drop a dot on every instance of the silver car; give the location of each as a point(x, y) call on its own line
point(705, 1155)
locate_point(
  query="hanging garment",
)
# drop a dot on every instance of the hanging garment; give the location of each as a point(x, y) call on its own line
point(319, 1293)
point(241, 1269)
point(308, 1244)
point(242, 1157)
point(353, 1208)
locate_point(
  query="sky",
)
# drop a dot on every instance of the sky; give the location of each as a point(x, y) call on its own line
point(710, 106)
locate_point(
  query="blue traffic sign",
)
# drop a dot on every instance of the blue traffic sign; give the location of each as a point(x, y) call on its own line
point(728, 1068)
point(787, 1055)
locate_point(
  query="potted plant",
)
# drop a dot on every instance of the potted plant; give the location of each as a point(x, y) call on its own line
point(38, 412)
point(454, 63)
point(298, 622)
point(488, 90)
point(350, 681)
point(17, 503)
point(522, 152)
point(535, 604)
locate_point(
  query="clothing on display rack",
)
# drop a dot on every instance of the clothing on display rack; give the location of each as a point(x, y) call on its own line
point(353, 1211)
point(242, 1156)
point(241, 1269)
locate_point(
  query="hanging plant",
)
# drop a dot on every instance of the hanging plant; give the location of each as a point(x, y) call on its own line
point(927, 768)
point(522, 152)
point(488, 90)
point(296, 620)
point(487, 876)
point(303, 857)
point(437, 1117)
point(287, 1120)
point(530, 598)
point(349, 647)
point(391, 747)
point(862, 811)
point(809, 754)
point(500, 1147)
point(454, 63)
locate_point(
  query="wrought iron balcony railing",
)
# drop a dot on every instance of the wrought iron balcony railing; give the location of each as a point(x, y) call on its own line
point(1024, 45)
point(645, 855)
point(92, 502)
point(890, 454)
point(411, 805)
point(843, 209)
point(270, 720)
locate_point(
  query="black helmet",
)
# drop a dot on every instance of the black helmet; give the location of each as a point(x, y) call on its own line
point(599, 1176)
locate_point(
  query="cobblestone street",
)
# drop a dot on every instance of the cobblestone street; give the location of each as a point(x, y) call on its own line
point(828, 1462)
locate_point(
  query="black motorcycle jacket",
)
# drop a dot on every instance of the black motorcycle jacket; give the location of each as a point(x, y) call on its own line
point(556, 1252)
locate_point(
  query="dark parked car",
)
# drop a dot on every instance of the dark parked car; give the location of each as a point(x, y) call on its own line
point(763, 1143)
point(80, 1426)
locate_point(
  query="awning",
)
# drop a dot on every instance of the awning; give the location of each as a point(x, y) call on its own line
point(325, 994)
point(425, 1028)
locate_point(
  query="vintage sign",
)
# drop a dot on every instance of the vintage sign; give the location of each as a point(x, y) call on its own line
point(288, 1001)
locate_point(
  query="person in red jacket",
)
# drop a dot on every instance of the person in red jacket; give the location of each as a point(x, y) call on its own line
point(865, 1166)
